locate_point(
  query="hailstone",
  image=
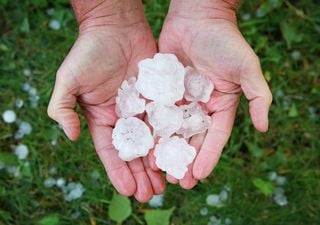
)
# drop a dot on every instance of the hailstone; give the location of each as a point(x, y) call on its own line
point(128, 103)
point(195, 120)
point(9, 116)
point(161, 79)
point(198, 87)
point(132, 138)
point(165, 120)
point(173, 155)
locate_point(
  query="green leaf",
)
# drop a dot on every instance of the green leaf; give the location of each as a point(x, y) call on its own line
point(8, 158)
point(254, 149)
point(119, 208)
point(158, 216)
point(293, 112)
point(49, 220)
point(25, 27)
point(290, 33)
point(264, 186)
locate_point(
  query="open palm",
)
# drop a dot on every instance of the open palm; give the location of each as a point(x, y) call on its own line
point(91, 74)
point(217, 49)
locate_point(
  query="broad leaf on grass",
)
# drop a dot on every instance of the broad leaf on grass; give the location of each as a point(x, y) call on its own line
point(8, 158)
point(158, 216)
point(49, 220)
point(119, 208)
point(264, 186)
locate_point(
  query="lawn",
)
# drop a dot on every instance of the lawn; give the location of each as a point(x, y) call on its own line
point(35, 38)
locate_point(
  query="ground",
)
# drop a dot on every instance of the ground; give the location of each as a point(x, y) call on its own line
point(285, 35)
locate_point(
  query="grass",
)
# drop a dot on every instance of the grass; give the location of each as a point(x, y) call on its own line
point(286, 36)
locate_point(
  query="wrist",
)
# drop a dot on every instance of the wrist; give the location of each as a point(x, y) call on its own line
point(204, 9)
point(97, 13)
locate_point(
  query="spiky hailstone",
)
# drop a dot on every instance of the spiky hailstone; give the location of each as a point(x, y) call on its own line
point(9, 116)
point(128, 103)
point(198, 87)
point(173, 155)
point(161, 79)
point(195, 120)
point(165, 120)
point(132, 138)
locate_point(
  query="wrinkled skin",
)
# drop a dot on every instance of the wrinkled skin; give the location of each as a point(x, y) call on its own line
point(101, 58)
point(216, 48)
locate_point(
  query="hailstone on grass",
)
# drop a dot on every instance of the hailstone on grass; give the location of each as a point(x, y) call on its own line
point(165, 120)
point(198, 87)
point(128, 103)
point(173, 155)
point(21, 151)
point(195, 120)
point(132, 138)
point(9, 116)
point(161, 79)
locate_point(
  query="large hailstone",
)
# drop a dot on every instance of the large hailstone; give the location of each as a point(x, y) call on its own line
point(161, 79)
point(165, 120)
point(195, 120)
point(132, 138)
point(198, 87)
point(128, 103)
point(173, 155)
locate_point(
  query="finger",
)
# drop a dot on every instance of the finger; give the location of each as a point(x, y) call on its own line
point(189, 181)
point(152, 160)
point(257, 92)
point(171, 179)
point(117, 170)
point(216, 138)
point(155, 177)
point(144, 191)
point(62, 104)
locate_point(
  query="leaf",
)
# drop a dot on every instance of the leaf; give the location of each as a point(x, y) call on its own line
point(264, 186)
point(290, 33)
point(49, 220)
point(293, 112)
point(254, 149)
point(8, 158)
point(158, 216)
point(25, 27)
point(119, 208)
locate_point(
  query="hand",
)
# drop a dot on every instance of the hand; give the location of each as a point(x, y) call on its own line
point(208, 39)
point(105, 54)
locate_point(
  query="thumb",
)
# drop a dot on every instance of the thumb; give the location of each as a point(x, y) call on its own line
point(257, 92)
point(62, 104)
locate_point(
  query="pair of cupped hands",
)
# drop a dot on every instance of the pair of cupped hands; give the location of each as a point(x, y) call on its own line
point(113, 37)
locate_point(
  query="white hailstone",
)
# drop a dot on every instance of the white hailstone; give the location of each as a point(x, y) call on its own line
point(25, 127)
point(26, 72)
point(198, 88)
point(281, 180)
point(195, 120)
point(9, 116)
point(204, 211)
point(223, 196)
point(60, 182)
point(19, 103)
point(227, 221)
point(281, 200)
point(214, 220)
point(49, 182)
point(165, 120)
point(50, 11)
point(128, 102)
point(74, 193)
point(26, 87)
point(13, 170)
point(2, 165)
point(278, 191)
point(55, 24)
point(54, 141)
point(21, 151)
point(213, 200)
point(173, 155)
point(132, 138)
point(161, 79)
point(272, 175)
point(53, 170)
point(156, 201)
